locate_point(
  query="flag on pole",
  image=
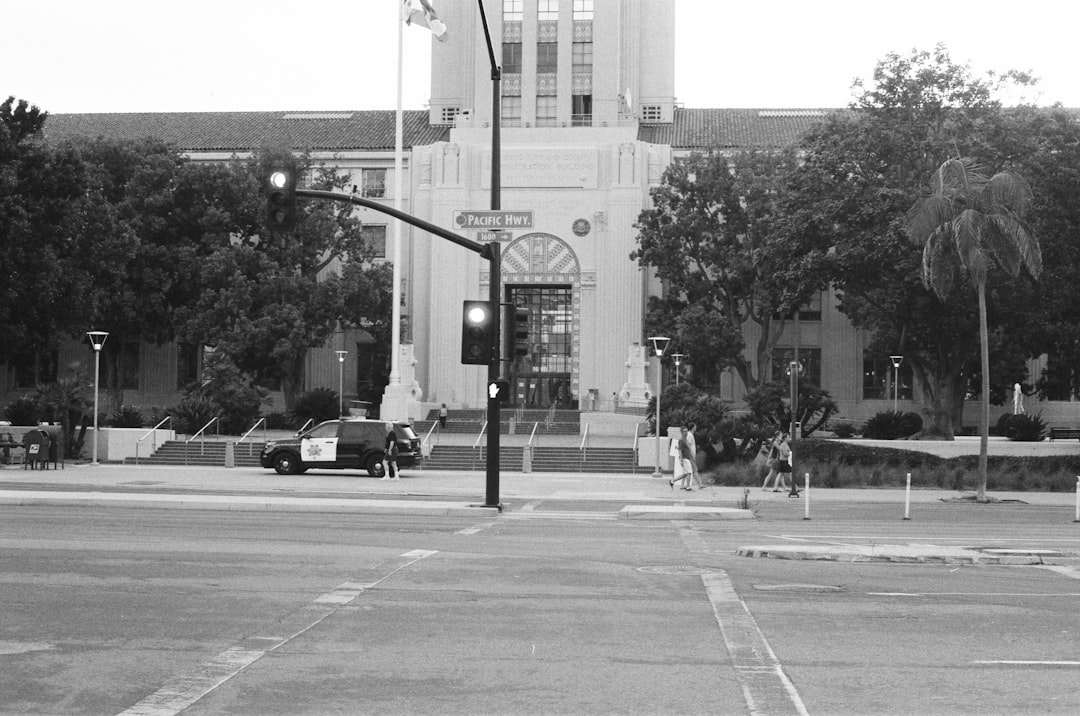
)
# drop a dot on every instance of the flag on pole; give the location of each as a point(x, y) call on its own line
point(423, 14)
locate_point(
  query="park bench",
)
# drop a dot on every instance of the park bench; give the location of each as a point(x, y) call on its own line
point(1064, 433)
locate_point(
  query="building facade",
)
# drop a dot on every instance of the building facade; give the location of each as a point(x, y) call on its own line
point(588, 123)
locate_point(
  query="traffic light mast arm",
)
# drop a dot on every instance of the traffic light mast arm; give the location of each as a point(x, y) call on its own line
point(483, 249)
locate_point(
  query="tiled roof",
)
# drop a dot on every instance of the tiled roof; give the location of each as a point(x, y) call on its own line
point(729, 128)
point(241, 131)
point(374, 130)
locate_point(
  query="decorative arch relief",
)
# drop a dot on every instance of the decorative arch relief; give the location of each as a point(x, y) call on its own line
point(541, 258)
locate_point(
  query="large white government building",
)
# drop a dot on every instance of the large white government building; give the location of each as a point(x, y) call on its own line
point(589, 122)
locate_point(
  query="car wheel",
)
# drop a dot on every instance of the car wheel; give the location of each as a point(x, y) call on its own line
point(375, 466)
point(285, 463)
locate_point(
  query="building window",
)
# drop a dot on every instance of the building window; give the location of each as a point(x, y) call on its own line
point(511, 111)
point(547, 10)
point(651, 113)
point(582, 110)
point(547, 57)
point(878, 377)
point(374, 238)
point(583, 9)
point(809, 362)
point(187, 364)
point(582, 53)
point(36, 369)
point(511, 58)
point(129, 365)
point(547, 111)
point(449, 114)
point(373, 183)
point(513, 10)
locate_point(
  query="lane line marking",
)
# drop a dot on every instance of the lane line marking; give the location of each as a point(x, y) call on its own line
point(766, 688)
point(187, 689)
point(1007, 662)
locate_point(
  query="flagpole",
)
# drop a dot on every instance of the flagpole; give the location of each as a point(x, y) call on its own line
point(395, 319)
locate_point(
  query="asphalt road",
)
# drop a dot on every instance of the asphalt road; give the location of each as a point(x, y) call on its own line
point(142, 611)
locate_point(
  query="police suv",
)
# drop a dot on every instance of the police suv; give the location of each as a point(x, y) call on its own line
point(342, 445)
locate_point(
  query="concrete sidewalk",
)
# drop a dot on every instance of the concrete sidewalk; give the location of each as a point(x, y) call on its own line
point(456, 493)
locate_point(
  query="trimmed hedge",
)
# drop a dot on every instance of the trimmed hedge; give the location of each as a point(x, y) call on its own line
point(839, 464)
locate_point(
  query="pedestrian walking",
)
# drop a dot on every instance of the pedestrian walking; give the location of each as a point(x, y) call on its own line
point(442, 416)
point(390, 456)
point(771, 458)
point(783, 463)
point(683, 471)
point(691, 443)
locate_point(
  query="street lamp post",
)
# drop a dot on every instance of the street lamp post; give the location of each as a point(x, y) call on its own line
point(678, 361)
point(341, 382)
point(896, 361)
point(659, 344)
point(97, 339)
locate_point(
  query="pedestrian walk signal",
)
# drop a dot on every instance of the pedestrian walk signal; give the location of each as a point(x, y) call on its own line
point(477, 332)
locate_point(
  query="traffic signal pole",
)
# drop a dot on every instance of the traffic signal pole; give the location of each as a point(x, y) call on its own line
point(489, 251)
point(494, 256)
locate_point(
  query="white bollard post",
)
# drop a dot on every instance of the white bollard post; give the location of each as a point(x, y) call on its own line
point(907, 498)
point(1077, 499)
point(806, 490)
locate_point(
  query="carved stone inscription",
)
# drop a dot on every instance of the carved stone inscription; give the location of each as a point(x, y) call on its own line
point(547, 168)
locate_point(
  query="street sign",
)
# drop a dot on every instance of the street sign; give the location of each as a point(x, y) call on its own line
point(494, 220)
point(489, 236)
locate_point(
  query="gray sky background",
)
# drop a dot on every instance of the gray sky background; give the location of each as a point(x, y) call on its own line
point(70, 56)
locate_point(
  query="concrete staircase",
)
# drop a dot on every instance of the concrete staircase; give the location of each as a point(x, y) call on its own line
point(210, 452)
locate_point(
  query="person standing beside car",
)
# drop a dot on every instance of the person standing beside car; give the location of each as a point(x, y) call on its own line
point(390, 455)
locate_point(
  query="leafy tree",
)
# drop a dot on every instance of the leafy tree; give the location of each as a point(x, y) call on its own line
point(967, 223)
point(717, 240)
point(60, 241)
point(265, 300)
point(863, 169)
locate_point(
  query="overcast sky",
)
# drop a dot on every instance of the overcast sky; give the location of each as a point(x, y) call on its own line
point(69, 56)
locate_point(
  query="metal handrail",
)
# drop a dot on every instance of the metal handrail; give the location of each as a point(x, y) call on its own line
point(304, 426)
point(153, 431)
point(585, 444)
point(637, 436)
point(249, 432)
point(536, 426)
point(427, 437)
point(476, 445)
point(202, 442)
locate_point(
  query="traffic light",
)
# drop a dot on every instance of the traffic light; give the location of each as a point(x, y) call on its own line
point(519, 333)
point(477, 330)
point(281, 198)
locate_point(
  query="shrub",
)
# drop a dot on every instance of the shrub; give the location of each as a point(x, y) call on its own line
point(192, 413)
point(892, 424)
point(1024, 428)
point(841, 428)
point(318, 405)
point(128, 416)
point(280, 421)
point(23, 411)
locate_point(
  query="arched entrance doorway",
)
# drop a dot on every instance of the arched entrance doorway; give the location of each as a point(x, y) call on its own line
point(542, 274)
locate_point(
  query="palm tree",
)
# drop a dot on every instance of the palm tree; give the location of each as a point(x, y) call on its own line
point(968, 223)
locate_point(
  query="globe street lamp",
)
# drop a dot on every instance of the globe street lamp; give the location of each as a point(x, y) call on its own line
point(896, 361)
point(659, 344)
point(678, 361)
point(97, 339)
point(341, 381)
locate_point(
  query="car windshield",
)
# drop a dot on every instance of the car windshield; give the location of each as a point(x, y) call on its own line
point(324, 430)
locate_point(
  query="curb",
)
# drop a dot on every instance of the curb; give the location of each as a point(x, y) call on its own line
point(896, 553)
